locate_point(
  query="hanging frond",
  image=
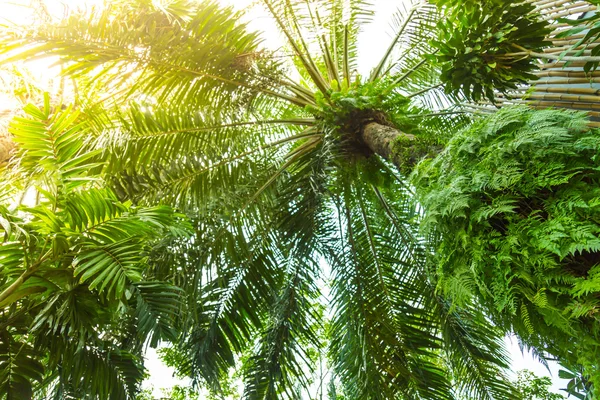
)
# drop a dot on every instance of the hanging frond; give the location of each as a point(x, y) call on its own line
point(283, 360)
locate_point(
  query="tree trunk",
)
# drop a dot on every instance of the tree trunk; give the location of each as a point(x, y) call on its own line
point(6, 148)
point(402, 149)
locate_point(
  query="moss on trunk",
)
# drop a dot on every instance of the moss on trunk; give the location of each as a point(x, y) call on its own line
point(402, 149)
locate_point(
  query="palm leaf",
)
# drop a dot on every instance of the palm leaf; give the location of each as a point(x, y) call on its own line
point(157, 310)
point(283, 360)
point(20, 365)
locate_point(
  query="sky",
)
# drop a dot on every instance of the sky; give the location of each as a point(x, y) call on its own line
point(372, 44)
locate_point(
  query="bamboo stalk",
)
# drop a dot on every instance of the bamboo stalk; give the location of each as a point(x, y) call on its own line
point(500, 99)
point(570, 12)
point(568, 8)
point(567, 74)
point(571, 40)
point(524, 51)
point(560, 64)
point(567, 90)
point(568, 97)
point(571, 53)
point(562, 7)
point(540, 105)
point(594, 114)
point(567, 81)
point(542, 3)
point(551, 4)
point(571, 49)
point(539, 3)
point(564, 104)
point(559, 28)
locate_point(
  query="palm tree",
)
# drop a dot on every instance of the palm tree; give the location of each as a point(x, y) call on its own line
point(75, 307)
point(284, 163)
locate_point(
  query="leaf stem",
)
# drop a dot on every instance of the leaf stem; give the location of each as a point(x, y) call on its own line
point(9, 291)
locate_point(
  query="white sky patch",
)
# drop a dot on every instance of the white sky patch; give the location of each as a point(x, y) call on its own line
point(373, 43)
point(161, 376)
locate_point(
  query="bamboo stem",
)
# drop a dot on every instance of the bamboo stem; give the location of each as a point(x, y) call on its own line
point(567, 81)
point(567, 74)
point(559, 8)
point(559, 28)
point(551, 4)
point(561, 64)
point(540, 3)
point(563, 104)
point(560, 97)
point(567, 90)
point(568, 40)
point(569, 12)
point(572, 50)
point(594, 114)
point(524, 51)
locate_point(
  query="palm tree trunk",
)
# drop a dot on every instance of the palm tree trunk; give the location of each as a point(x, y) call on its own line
point(402, 149)
point(6, 147)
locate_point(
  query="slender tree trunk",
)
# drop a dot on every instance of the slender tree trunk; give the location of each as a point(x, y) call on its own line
point(402, 149)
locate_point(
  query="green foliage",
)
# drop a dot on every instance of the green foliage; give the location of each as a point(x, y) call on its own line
point(257, 162)
point(175, 393)
point(130, 34)
point(515, 202)
point(477, 41)
point(535, 388)
point(19, 364)
point(73, 269)
point(348, 108)
point(589, 27)
point(531, 387)
point(578, 386)
point(346, 103)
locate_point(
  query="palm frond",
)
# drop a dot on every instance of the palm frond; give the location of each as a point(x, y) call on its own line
point(476, 353)
point(395, 336)
point(132, 50)
point(157, 310)
point(283, 359)
point(19, 365)
point(96, 370)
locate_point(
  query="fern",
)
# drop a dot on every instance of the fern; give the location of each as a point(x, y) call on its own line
point(514, 200)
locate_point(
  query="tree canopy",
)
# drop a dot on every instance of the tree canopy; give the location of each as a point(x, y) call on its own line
point(276, 215)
